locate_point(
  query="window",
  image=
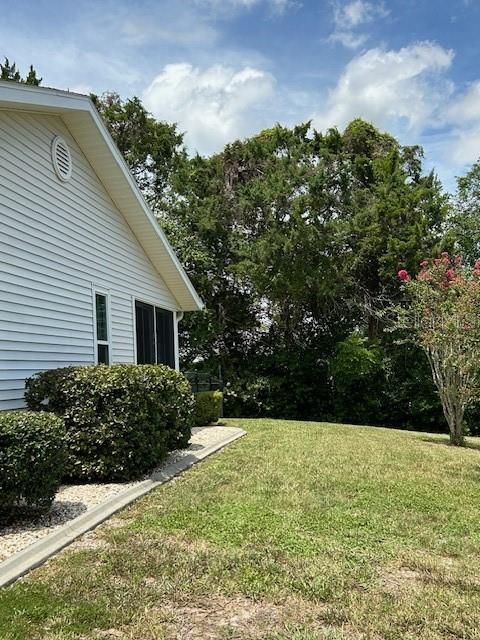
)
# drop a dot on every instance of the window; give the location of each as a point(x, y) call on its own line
point(102, 331)
point(155, 335)
point(164, 335)
point(145, 323)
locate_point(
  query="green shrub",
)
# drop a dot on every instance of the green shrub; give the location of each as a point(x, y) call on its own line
point(208, 406)
point(120, 420)
point(32, 457)
point(45, 391)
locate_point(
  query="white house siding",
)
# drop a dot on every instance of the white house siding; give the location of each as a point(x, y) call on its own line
point(57, 240)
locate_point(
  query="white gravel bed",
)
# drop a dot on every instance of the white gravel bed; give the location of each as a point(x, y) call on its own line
point(74, 500)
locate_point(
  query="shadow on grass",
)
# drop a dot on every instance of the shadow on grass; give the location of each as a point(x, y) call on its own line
point(446, 443)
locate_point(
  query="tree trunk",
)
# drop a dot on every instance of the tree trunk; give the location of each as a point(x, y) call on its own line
point(454, 415)
point(457, 438)
point(456, 430)
point(448, 387)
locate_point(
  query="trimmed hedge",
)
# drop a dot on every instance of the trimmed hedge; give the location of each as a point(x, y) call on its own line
point(208, 406)
point(45, 391)
point(32, 457)
point(120, 420)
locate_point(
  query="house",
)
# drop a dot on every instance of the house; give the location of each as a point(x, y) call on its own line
point(86, 273)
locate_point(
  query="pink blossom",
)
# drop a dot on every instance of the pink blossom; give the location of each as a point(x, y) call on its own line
point(451, 274)
point(403, 275)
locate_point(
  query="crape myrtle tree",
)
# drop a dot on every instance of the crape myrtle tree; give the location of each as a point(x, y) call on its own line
point(442, 315)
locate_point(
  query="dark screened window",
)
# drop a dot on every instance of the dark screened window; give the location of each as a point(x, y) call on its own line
point(101, 305)
point(155, 337)
point(103, 338)
point(102, 354)
point(145, 324)
point(165, 340)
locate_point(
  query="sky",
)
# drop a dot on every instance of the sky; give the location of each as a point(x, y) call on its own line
point(225, 69)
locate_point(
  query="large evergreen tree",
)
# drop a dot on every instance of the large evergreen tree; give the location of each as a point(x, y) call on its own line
point(152, 149)
point(294, 238)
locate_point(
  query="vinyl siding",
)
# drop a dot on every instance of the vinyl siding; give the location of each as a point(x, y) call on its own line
point(57, 241)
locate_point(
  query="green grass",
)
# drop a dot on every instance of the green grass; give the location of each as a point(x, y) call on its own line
point(299, 531)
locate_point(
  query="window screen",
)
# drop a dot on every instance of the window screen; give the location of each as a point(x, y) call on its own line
point(155, 336)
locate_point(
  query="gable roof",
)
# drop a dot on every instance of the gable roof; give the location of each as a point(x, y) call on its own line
point(87, 127)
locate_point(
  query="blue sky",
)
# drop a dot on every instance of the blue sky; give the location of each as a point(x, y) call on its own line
point(225, 69)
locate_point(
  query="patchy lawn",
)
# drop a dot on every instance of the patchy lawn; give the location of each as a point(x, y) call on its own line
point(299, 531)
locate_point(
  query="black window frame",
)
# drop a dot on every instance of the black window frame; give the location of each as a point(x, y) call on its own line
point(154, 334)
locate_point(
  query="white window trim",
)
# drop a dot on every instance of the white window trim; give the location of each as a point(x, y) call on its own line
point(108, 343)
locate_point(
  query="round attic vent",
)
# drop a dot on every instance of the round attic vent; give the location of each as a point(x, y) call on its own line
point(61, 158)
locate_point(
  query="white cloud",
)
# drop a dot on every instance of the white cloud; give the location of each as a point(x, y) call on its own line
point(349, 17)
point(467, 107)
point(391, 88)
point(463, 115)
point(349, 39)
point(214, 105)
point(409, 92)
point(464, 147)
point(356, 13)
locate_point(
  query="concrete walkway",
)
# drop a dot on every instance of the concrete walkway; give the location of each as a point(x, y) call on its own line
point(203, 443)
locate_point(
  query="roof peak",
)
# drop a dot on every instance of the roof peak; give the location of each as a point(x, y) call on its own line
point(89, 130)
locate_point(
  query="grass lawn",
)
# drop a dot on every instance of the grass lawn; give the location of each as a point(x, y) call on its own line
point(298, 531)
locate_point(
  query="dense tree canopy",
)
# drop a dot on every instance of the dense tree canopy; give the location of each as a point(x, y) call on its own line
point(293, 238)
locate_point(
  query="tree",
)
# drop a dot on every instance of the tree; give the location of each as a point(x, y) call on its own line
point(394, 215)
point(292, 237)
point(32, 77)
point(151, 148)
point(10, 72)
point(465, 221)
point(443, 316)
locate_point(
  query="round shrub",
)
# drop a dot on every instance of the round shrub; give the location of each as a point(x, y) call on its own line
point(208, 406)
point(45, 391)
point(121, 420)
point(32, 457)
